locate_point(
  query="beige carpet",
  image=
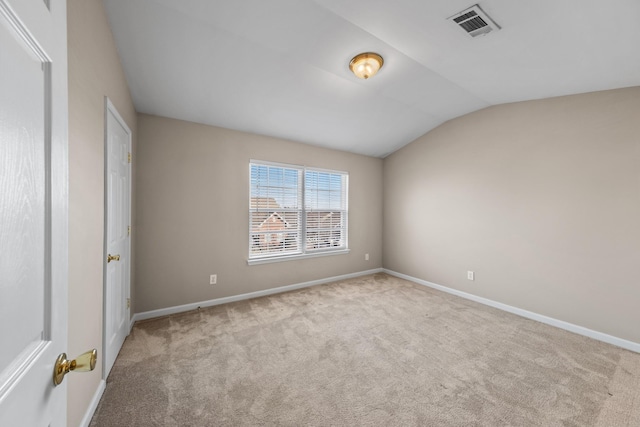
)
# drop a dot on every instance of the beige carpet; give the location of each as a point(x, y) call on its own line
point(371, 351)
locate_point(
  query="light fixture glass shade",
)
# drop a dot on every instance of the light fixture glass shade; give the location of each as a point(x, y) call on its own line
point(366, 65)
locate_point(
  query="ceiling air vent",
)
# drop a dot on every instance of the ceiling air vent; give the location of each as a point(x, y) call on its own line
point(474, 21)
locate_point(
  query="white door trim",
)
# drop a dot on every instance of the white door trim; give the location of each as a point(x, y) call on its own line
point(110, 108)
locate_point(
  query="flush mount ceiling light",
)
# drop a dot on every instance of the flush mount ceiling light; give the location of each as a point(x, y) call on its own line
point(366, 65)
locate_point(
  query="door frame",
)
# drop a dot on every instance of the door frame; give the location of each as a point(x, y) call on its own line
point(110, 108)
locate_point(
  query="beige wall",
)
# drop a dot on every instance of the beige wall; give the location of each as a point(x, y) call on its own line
point(541, 199)
point(192, 178)
point(94, 71)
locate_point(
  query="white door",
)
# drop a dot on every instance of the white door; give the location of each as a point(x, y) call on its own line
point(33, 210)
point(117, 235)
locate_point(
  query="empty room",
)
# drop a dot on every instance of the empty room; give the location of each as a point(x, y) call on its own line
point(319, 212)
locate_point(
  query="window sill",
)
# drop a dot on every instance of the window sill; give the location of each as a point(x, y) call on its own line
point(269, 260)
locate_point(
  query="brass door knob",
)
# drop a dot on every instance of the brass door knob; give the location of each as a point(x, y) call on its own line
point(113, 258)
point(84, 363)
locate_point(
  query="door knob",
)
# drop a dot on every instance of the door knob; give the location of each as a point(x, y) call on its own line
point(84, 363)
point(113, 258)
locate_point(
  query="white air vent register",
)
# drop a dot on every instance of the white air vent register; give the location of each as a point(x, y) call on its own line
point(475, 21)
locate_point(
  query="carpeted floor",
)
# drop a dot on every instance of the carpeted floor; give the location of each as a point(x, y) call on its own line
point(371, 351)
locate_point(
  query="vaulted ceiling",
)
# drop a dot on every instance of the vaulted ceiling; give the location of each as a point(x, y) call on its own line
point(280, 67)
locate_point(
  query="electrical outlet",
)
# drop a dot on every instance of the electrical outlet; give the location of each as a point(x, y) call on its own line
point(366, 257)
point(470, 275)
point(213, 279)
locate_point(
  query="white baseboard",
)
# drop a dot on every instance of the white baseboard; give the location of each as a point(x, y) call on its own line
point(94, 404)
point(193, 306)
point(629, 345)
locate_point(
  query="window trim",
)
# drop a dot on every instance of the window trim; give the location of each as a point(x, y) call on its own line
point(282, 258)
point(305, 253)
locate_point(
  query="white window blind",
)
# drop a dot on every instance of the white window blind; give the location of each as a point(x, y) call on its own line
point(295, 211)
point(275, 210)
point(325, 201)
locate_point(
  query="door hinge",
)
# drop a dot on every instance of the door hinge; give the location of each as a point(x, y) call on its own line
point(128, 302)
point(129, 158)
point(129, 231)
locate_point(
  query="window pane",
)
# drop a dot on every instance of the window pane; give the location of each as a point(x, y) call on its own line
point(275, 218)
point(325, 208)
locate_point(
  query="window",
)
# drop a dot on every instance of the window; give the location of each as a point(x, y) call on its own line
point(296, 211)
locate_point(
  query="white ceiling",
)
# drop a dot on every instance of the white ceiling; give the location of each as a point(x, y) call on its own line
point(280, 67)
